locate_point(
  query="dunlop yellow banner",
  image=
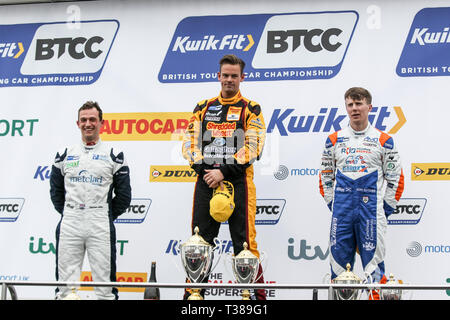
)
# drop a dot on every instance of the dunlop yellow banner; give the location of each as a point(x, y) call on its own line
point(172, 174)
point(144, 126)
point(430, 171)
point(86, 276)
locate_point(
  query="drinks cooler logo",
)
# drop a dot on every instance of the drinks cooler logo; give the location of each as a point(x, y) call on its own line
point(40, 54)
point(288, 46)
point(425, 52)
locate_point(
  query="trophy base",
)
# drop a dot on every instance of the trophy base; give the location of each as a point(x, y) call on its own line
point(245, 294)
point(195, 295)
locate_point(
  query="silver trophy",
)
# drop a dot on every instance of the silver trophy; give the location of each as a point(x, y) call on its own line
point(391, 293)
point(245, 268)
point(196, 256)
point(347, 277)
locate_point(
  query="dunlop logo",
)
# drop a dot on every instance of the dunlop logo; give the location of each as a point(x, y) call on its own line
point(172, 174)
point(430, 171)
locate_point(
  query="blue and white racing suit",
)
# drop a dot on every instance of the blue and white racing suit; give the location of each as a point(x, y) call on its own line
point(89, 187)
point(361, 180)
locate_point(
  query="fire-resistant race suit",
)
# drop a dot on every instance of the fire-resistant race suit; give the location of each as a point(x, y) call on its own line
point(229, 135)
point(354, 169)
point(89, 187)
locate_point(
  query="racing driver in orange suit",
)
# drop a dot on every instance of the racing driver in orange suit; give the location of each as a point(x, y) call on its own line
point(225, 136)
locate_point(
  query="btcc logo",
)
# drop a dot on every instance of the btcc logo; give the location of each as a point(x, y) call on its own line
point(278, 41)
point(282, 46)
point(269, 211)
point(136, 212)
point(38, 54)
point(45, 51)
point(10, 209)
point(302, 40)
point(408, 211)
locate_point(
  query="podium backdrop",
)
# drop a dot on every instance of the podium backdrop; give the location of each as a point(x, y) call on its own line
point(147, 63)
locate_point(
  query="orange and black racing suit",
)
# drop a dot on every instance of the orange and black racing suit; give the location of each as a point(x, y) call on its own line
point(229, 135)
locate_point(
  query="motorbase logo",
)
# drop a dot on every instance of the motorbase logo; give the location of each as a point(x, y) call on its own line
point(284, 172)
point(42, 54)
point(155, 126)
point(416, 249)
point(384, 118)
point(425, 52)
point(286, 46)
point(10, 209)
point(408, 211)
point(165, 173)
point(430, 171)
point(134, 277)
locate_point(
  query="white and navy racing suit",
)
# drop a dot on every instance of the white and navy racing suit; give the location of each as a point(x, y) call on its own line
point(89, 187)
point(361, 180)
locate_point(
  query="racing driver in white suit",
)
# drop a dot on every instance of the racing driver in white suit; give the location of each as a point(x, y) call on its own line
point(361, 180)
point(90, 188)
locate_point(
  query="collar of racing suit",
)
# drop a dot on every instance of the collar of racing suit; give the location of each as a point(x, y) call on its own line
point(359, 133)
point(90, 146)
point(231, 100)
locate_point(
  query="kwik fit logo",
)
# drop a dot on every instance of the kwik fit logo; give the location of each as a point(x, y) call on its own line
point(286, 121)
point(427, 45)
point(40, 54)
point(289, 46)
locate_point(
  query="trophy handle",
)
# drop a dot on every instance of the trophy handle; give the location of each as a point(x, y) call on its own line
point(262, 257)
point(220, 252)
point(369, 279)
point(326, 278)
